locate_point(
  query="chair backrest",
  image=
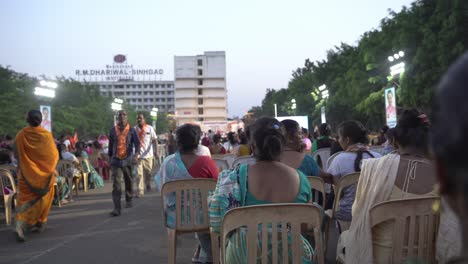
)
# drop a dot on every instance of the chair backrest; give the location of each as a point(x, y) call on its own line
point(222, 164)
point(227, 157)
point(318, 187)
point(6, 179)
point(332, 157)
point(321, 156)
point(191, 201)
point(63, 167)
point(243, 160)
point(378, 149)
point(344, 182)
point(415, 227)
point(274, 219)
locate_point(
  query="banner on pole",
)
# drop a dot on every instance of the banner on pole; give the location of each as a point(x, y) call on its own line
point(390, 107)
point(46, 117)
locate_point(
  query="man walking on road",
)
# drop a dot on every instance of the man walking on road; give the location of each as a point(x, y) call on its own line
point(148, 150)
point(123, 139)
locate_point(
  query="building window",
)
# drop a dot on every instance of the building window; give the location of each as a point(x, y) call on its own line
point(200, 111)
point(134, 86)
point(128, 93)
point(200, 72)
point(133, 93)
point(145, 93)
point(163, 93)
point(169, 99)
point(163, 99)
point(200, 101)
point(200, 81)
point(157, 85)
point(145, 100)
point(150, 86)
point(169, 85)
point(200, 62)
point(163, 85)
point(200, 91)
point(157, 99)
point(169, 93)
point(139, 100)
point(151, 93)
point(151, 99)
point(139, 93)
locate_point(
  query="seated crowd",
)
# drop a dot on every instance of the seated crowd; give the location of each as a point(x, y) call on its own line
point(405, 166)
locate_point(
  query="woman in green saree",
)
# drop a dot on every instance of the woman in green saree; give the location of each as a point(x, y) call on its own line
point(266, 182)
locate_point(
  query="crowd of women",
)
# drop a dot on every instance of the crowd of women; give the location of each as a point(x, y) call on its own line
point(419, 159)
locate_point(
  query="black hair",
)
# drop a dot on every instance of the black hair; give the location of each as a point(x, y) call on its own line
point(4, 157)
point(209, 130)
point(216, 138)
point(384, 129)
point(324, 130)
point(268, 136)
point(34, 118)
point(231, 138)
point(62, 147)
point(293, 136)
point(390, 135)
point(412, 130)
point(243, 138)
point(188, 136)
point(357, 133)
point(450, 126)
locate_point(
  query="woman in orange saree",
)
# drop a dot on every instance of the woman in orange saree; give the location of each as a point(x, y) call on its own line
point(38, 158)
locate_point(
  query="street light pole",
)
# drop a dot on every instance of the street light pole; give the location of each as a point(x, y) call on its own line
point(154, 116)
point(276, 111)
point(293, 107)
point(116, 106)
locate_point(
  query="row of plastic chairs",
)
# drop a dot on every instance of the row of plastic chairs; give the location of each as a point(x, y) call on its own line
point(408, 215)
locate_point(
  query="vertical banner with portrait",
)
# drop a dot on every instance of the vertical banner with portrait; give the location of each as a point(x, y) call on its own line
point(46, 117)
point(390, 107)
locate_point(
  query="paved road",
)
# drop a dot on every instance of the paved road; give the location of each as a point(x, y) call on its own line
point(83, 232)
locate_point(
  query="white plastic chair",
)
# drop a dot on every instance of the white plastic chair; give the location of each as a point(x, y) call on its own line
point(222, 164)
point(6, 179)
point(191, 201)
point(243, 160)
point(324, 154)
point(284, 220)
point(416, 226)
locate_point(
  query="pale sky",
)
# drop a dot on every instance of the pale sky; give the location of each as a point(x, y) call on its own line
point(264, 40)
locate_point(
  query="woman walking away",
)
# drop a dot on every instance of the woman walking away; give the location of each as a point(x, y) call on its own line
point(38, 157)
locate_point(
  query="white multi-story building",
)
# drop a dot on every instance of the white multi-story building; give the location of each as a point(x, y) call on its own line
point(144, 95)
point(200, 87)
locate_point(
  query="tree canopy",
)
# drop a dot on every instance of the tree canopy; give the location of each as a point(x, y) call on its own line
point(432, 34)
point(77, 107)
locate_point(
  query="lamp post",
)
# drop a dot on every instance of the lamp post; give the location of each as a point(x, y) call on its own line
point(397, 68)
point(293, 106)
point(116, 106)
point(46, 89)
point(154, 116)
point(324, 95)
